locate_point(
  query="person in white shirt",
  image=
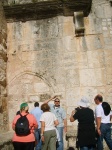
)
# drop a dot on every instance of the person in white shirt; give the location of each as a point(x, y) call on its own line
point(103, 115)
point(48, 130)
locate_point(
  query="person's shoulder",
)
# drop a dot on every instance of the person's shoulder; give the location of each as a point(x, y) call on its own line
point(61, 108)
point(99, 106)
point(90, 109)
point(30, 115)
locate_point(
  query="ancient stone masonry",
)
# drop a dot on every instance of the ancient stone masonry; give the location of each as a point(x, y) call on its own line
point(3, 61)
point(45, 57)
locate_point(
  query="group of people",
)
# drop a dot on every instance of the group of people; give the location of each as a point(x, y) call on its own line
point(90, 135)
point(48, 123)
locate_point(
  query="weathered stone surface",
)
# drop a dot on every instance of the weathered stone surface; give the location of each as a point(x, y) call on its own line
point(3, 59)
point(45, 58)
point(6, 141)
point(36, 10)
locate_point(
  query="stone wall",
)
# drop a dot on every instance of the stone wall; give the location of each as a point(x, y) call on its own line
point(46, 58)
point(6, 141)
point(3, 60)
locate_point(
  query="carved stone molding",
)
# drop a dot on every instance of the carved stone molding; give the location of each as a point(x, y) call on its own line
point(46, 9)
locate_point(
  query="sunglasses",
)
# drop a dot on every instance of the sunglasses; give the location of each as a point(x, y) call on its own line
point(57, 101)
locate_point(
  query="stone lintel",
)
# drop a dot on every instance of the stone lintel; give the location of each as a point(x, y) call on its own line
point(45, 9)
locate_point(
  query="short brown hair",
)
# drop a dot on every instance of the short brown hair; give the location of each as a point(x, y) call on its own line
point(45, 107)
point(99, 97)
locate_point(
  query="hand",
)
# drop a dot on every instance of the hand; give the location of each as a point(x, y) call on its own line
point(65, 129)
point(42, 138)
point(54, 97)
point(73, 112)
point(99, 132)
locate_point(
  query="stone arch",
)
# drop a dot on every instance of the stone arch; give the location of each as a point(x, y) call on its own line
point(27, 87)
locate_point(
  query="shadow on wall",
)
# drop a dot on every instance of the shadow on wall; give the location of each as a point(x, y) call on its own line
point(71, 148)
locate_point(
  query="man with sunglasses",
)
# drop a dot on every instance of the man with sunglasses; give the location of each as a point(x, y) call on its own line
point(61, 116)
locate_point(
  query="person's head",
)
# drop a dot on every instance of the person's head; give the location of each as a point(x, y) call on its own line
point(24, 107)
point(57, 102)
point(98, 99)
point(84, 102)
point(45, 107)
point(36, 104)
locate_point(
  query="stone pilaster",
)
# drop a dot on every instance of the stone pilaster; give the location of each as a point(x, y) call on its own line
point(3, 60)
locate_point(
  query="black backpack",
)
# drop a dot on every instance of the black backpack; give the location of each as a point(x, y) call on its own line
point(106, 108)
point(22, 126)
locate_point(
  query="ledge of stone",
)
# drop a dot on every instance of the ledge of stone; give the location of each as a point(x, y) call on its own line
point(71, 134)
point(6, 137)
point(45, 9)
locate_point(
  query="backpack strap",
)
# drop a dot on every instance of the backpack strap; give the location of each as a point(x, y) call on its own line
point(24, 115)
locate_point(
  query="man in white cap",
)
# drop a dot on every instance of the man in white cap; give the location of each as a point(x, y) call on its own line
point(86, 126)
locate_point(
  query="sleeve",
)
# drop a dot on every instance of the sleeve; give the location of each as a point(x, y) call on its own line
point(75, 116)
point(63, 114)
point(98, 112)
point(42, 118)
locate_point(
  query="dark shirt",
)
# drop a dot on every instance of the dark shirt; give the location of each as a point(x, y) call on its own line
point(86, 127)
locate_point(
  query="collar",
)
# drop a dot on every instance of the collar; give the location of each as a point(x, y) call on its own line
point(56, 107)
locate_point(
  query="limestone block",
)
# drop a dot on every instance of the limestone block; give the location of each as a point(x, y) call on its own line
point(95, 60)
point(100, 77)
point(82, 59)
point(108, 76)
point(70, 57)
point(94, 42)
point(98, 25)
point(87, 77)
point(28, 56)
point(72, 96)
point(34, 98)
point(89, 92)
point(44, 97)
point(107, 10)
point(69, 44)
point(61, 87)
point(89, 24)
point(99, 11)
point(70, 80)
point(106, 35)
point(49, 28)
point(68, 28)
point(41, 87)
point(108, 58)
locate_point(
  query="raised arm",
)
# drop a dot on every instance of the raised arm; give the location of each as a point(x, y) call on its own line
point(71, 117)
point(48, 100)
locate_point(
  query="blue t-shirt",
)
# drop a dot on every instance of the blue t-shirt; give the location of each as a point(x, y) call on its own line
point(37, 112)
point(59, 113)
